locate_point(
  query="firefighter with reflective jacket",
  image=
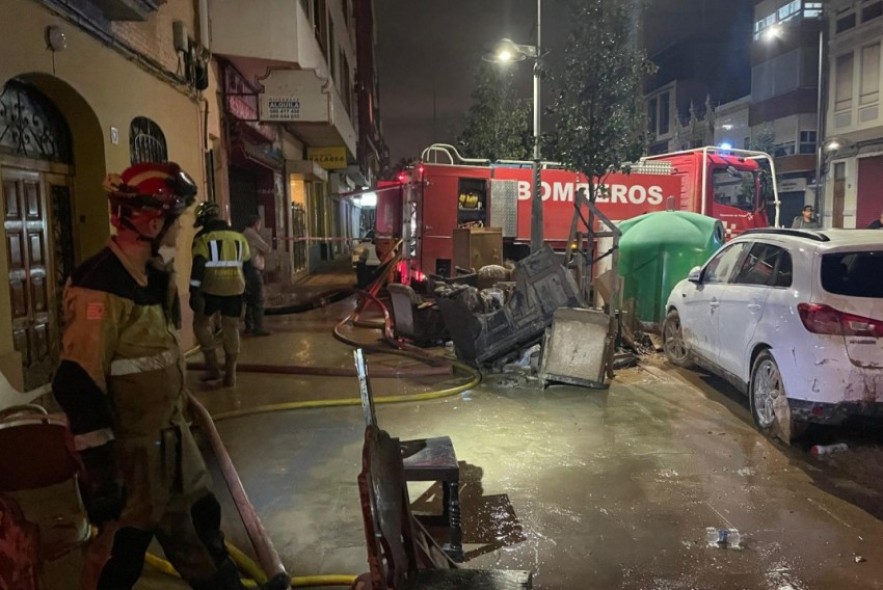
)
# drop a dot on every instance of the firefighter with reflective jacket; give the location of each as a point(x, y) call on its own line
point(217, 284)
point(121, 384)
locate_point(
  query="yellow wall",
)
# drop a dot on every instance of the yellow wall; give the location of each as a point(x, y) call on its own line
point(97, 88)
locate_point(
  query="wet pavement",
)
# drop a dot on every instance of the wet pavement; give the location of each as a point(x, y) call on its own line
point(587, 488)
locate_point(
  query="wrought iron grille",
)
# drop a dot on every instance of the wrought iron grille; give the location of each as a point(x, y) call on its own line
point(147, 143)
point(31, 126)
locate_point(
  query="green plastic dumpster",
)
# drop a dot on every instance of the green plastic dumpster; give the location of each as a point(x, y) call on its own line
point(656, 251)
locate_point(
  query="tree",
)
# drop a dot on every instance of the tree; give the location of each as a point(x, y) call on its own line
point(599, 109)
point(497, 125)
point(599, 120)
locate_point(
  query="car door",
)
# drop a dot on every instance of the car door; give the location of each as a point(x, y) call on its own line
point(742, 306)
point(699, 320)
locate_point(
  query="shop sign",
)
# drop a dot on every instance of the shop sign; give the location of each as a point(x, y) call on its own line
point(791, 185)
point(296, 96)
point(329, 158)
point(241, 99)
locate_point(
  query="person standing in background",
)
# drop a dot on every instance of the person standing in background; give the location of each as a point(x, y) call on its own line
point(254, 277)
point(806, 220)
point(877, 223)
point(216, 287)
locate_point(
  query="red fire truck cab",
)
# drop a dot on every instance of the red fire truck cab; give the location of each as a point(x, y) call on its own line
point(445, 191)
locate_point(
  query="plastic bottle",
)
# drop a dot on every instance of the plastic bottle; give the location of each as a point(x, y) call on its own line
point(723, 538)
point(828, 449)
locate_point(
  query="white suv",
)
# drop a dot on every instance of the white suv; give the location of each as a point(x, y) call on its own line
point(794, 318)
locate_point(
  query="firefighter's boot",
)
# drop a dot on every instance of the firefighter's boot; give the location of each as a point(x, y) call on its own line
point(227, 578)
point(230, 370)
point(212, 369)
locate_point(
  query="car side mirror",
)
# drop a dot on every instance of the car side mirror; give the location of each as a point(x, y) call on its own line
point(695, 275)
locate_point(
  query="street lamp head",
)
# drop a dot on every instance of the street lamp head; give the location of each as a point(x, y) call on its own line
point(507, 51)
point(773, 32)
point(833, 145)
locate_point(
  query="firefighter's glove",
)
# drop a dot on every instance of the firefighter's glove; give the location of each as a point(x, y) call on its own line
point(103, 492)
point(197, 301)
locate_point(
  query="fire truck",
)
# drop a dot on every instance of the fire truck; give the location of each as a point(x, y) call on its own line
point(445, 191)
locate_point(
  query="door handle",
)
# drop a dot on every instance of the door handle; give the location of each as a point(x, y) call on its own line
point(754, 307)
point(714, 302)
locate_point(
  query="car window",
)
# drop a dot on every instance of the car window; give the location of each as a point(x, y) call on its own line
point(766, 264)
point(855, 274)
point(720, 268)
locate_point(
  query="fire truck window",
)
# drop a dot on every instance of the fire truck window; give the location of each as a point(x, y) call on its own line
point(734, 188)
point(472, 203)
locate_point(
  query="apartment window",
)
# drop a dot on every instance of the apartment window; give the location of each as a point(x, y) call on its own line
point(843, 86)
point(652, 119)
point(870, 80)
point(320, 25)
point(789, 11)
point(872, 11)
point(783, 149)
point(812, 10)
point(844, 23)
point(346, 88)
point(762, 80)
point(663, 113)
point(807, 142)
point(764, 23)
point(147, 143)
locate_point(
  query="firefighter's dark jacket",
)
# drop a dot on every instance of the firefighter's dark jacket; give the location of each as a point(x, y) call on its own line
point(121, 374)
point(218, 254)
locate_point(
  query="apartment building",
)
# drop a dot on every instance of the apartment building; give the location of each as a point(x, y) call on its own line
point(854, 121)
point(785, 94)
point(86, 88)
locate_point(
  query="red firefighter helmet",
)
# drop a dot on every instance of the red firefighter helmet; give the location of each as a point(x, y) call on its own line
point(152, 188)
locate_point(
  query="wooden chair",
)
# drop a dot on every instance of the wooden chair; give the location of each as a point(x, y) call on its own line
point(399, 552)
point(38, 477)
point(426, 459)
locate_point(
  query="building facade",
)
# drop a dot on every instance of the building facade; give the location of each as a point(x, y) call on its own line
point(88, 88)
point(854, 118)
point(784, 107)
point(259, 103)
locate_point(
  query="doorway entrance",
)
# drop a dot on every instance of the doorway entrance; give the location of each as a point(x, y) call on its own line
point(37, 209)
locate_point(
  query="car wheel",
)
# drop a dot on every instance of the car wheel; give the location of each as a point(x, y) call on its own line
point(769, 402)
point(676, 350)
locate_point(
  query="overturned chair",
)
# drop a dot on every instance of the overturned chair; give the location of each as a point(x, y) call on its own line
point(416, 318)
point(424, 459)
point(401, 555)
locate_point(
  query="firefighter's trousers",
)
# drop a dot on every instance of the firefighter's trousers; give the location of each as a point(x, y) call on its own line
point(167, 497)
point(230, 310)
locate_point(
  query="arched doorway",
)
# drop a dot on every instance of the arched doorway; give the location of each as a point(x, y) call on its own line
point(37, 172)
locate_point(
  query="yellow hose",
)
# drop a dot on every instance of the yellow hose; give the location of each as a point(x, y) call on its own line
point(165, 567)
point(386, 399)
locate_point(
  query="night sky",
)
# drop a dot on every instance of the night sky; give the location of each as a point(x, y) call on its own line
point(428, 51)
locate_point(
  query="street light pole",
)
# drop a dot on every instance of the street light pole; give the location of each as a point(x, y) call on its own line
point(536, 222)
point(820, 126)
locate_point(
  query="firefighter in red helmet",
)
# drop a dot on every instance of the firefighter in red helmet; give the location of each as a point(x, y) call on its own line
point(121, 384)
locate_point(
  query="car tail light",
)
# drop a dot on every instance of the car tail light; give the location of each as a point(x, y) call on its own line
point(823, 319)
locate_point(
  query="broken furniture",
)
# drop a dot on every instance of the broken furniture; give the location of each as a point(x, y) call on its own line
point(399, 552)
point(575, 348)
point(38, 480)
point(475, 247)
point(542, 285)
point(427, 459)
point(416, 318)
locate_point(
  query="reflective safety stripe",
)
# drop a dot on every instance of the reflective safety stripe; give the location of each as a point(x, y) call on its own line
point(93, 439)
point(195, 283)
point(223, 263)
point(142, 365)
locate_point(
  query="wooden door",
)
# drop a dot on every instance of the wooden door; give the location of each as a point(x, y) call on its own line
point(25, 219)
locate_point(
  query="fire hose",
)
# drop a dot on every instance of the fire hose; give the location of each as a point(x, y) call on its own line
point(263, 546)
